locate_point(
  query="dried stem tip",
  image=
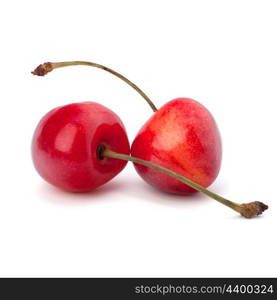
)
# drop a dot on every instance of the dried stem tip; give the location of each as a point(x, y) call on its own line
point(252, 209)
point(43, 69)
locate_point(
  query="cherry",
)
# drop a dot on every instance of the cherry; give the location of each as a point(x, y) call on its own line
point(183, 137)
point(180, 120)
point(65, 146)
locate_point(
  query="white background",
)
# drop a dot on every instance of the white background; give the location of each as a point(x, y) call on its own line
point(221, 53)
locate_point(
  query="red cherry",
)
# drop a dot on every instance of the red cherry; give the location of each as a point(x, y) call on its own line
point(66, 141)
point(183, 137)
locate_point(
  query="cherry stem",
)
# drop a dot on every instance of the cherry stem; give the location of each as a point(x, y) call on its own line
point(247, 210)
point(45, 68)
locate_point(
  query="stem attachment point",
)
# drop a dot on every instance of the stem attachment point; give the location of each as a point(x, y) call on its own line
point(100, 152)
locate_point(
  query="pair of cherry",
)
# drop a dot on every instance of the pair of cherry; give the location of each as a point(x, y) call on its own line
point(81, 146)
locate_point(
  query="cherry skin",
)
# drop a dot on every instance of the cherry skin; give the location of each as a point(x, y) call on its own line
point(66, 142)
point(183, 137)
